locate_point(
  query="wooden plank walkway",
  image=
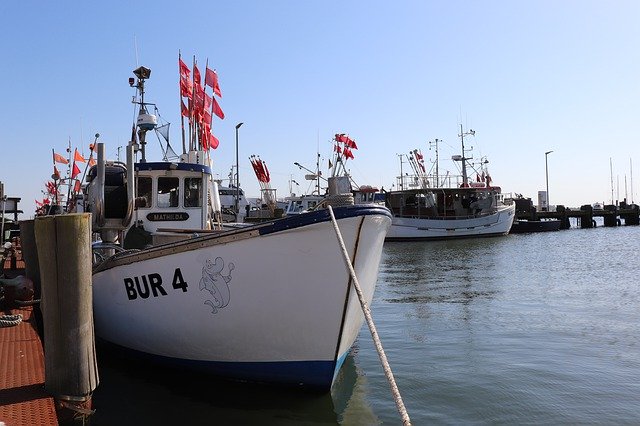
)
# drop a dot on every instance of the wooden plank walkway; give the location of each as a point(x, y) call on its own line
point(23, 399)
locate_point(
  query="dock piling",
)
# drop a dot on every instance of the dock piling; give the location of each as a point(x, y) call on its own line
point(64, 252)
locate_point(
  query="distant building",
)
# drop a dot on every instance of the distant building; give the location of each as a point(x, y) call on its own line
point(543, 201)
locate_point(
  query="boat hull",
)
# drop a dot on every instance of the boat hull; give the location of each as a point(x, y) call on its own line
point(267, 303)
point(416, 229)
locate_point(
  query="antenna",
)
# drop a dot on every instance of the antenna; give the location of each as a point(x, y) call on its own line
point(135, 46)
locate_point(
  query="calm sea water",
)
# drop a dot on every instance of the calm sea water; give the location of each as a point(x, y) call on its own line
point(522, 329)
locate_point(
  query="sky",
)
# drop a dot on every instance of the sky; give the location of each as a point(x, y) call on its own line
point(527, 76)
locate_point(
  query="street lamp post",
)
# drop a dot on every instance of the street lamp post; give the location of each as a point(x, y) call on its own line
point(546, 171)
point(237, 172)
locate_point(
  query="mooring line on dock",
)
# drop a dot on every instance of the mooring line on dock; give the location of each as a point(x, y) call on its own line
point(372, 328)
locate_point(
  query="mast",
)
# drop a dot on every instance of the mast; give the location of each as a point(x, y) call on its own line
point(611, 178)
point(631, 170)
point(437, 180)
point(318, 173)
point(145, 120)
point(464, 159)
point(401, 182)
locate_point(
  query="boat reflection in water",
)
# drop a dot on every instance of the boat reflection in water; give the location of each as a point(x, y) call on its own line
point(133, 393)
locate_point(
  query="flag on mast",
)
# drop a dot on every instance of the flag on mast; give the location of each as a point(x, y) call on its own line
point(78, 157)
point(57, 158)
point(211, 80)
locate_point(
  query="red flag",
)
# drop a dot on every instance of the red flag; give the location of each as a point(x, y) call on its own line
point(214, 141)
point(211, 80)
point(184, 69)
point(78, 157)
point(186, 87)
point(196, 74)
point(347, 153)
point(340, 137)
point(217, 110)
point(205, 140)
point(92, 162)
point(76, 171)
point(418, 155)
point(184, 110)
point(206, 118)
point(56, 173)
point(76, 186)
point(198, 99)
point(207, 102)
point(350, 143)
point(337, 149)
point(57, 158)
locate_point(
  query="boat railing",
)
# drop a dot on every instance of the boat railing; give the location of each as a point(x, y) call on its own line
point(102, 252)
point(413, 181)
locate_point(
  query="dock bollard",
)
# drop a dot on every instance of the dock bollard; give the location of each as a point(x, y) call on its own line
point(64, 253)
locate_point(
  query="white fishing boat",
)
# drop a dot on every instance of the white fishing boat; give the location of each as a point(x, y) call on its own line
point(269, 302)
point(430, 206)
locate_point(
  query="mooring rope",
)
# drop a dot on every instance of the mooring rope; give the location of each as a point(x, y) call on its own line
point(372, 328)
point(10, 320)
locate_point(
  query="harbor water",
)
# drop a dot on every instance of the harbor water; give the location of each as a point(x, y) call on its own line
point(521, 329)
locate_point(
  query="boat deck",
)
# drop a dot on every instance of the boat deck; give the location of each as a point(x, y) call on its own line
point(23, 399)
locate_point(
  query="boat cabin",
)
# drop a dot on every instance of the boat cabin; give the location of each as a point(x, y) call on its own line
point(444, 202)
point(168, 196)
point(171, 195)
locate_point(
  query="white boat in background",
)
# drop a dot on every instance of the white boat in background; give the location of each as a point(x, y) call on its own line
point(228, 195)
point(270, 302)
point(430, 206)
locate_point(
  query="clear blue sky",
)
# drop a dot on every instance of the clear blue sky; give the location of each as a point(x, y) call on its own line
point(527, 76)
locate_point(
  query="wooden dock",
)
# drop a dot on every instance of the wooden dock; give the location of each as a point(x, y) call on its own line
point(613, 215)
point(23, 399)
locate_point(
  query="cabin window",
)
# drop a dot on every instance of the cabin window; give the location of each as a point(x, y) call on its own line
point(143, 188)
point(193, 192)
point(168, 191)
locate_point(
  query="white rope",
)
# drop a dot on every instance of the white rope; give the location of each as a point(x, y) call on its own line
point(372, 328)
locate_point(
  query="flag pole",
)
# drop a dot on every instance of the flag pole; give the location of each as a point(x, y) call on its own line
point(86, 167)
point(184, 147)
point(204, 97)
point(69, 174)
point(192, 124)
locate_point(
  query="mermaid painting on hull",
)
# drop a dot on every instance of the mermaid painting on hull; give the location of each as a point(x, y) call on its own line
point(216, 284)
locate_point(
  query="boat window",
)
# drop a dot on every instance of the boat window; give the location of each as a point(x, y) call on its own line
point(193, 192)
point(143, 188)
point(168, 191)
